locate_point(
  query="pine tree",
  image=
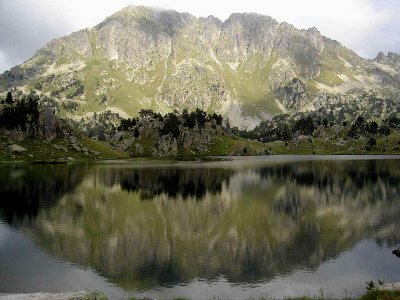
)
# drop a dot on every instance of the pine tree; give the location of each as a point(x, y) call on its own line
point(9, 98)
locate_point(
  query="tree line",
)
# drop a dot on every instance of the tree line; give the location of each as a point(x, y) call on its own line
point(171, 122)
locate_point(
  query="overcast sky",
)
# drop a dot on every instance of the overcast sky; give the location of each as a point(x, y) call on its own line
point(366, 26)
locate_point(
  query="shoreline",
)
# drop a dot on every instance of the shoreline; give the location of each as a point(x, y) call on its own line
point(199, 159)
point(387, 291)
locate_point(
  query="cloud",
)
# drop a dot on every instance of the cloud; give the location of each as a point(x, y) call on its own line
point(366, 26)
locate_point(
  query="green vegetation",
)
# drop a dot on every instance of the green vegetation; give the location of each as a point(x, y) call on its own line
point(20, 114)
point(381, 295)
point(30, 123)
point(328, 131)
point(41, 150)
point(189, 134)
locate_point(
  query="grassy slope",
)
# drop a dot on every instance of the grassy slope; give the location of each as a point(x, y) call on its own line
point(389, 145)
point(222, 145)
point(226, 145)
point(41, 150)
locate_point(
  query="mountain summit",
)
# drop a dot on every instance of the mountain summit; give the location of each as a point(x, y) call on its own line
point(249, 67)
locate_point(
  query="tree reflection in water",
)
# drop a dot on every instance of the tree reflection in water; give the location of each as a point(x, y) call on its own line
point(248, 224)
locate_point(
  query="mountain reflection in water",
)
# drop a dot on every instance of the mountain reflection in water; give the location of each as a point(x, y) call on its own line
point(145, 227)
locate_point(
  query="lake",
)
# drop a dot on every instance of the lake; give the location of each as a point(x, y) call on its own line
point(253, 227)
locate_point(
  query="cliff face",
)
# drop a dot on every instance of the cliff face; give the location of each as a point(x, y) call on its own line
point(164, 60)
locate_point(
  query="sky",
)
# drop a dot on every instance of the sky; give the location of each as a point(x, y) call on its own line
point(365, 26)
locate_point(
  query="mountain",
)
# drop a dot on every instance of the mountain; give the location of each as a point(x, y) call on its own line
point(248, 68)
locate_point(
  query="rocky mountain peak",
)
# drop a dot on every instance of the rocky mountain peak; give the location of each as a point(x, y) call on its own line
point(211, 20)
point(381, 57)
point(243, 68)
point(148, 19)
point(250, 20)
point(391, 57)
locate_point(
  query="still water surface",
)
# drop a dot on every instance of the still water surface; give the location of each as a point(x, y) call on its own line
point(253, 227)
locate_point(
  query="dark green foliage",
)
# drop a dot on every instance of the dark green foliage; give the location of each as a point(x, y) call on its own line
point(284, 133)
point(171, 125)
point(136, 132)
point(357, 128)
point(384, 129)
point(189, 119)
point(372, 127)
point(22, 113)
point(284, 127)
point(9, 99)
point(305, 126)
point(200, 117)
point(370, 144)
point(218, 118)
point(149, 114)
point(126, 124)
point(370, 285)
point(393, 121)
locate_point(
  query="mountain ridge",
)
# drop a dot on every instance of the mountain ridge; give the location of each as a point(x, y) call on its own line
point(142, 57)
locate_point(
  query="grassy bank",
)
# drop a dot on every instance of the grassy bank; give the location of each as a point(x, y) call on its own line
point(39, 150)
point(309, 145)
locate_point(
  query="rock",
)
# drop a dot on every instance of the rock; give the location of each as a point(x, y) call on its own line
point(79, 295)
point(293, 94)
point(47, 124)
point(117, 136)
point(16, 149)
point(76, 148)
point(391, 57)
point(381, 57)
point(94, 152)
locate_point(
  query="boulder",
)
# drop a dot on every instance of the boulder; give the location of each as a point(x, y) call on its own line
point(16, 149)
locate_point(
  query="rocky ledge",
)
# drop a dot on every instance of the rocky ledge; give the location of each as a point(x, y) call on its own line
point(79, 295)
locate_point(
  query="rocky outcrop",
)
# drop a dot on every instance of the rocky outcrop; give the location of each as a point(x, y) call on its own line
point(47, 124)
point(294, 94)
point(16, 149)
point(391, 57)
point(171, 135)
